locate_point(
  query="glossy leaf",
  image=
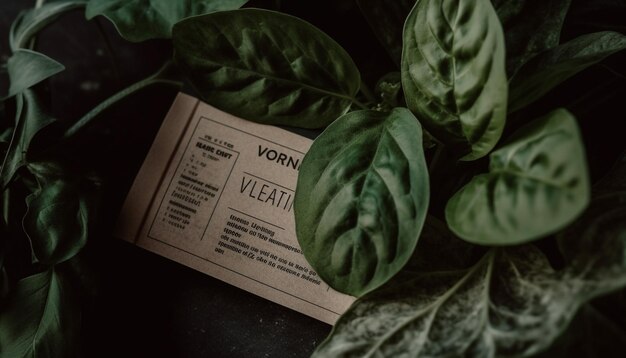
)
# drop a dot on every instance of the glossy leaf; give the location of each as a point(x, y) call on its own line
point(386, 19)
point(530, 27)
point(267, 67)
point(550, 68)
point(361, 199)
point(453, 73)
point(27, 68)
point(509, 304)
point(39, 318)
point(537, 184)
point(30, 22)
point(30, 119)
point(57, 219)
point(140, 20)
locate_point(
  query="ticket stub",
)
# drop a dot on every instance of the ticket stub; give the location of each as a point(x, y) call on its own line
point(216, 193)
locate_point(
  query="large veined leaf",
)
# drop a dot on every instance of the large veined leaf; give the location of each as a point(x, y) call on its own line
point(266, 67)
point(590, 335)
point(30, 119)
point(530, 27)
point(537, 184)
point(511, 303)
point(32, 21)
point(57, 219)
point(39, 319)
point(140, 20)
point(27, 68)
point(361, 198)
point(550, 68)
point(386, 19)
point(453, 73)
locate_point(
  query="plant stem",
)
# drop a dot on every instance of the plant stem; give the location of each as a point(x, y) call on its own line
point(88, 118)
point(33, 41)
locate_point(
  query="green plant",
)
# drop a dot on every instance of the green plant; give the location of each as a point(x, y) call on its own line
point(476, 235)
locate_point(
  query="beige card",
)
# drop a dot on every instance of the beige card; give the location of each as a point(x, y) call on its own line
point(216, 193)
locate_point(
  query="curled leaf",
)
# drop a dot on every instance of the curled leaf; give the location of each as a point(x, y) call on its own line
point(537, 184)
point(30, 119)
point(57, 219)
point(267, 67)
point(140, 20)
point(27, 68)
point(453, 73)
point(361, 199)
point(30, 22)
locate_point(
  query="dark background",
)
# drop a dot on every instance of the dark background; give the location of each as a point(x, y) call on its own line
point(137, 304)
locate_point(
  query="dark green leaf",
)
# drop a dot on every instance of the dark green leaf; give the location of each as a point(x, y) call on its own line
point(386, 19)
point(30, 119)
point(30, 22)
point(509, 304)
point(39, 319)
point(140, 20)
point(537, 184)
point(596, 243)
point(453, 73)
point(590, 335)
point(550, 68)
point(57, 219)
point(27, 68)
point(266, 67)
point(530, 27)
point(361, 198)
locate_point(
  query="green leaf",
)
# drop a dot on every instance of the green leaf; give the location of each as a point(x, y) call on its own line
point(509, 304)
point(590, 335)
point(530, 27)
point(550, 68)
point(386, 19)
point(39, 318)
point(602, 229)
point(453, 73)
point(57, 219)
point(361, 198)
point(267, 67)
point(140, 20)
point(27, 68)
point(30, 119)
point(537, 184)
point(30, 22)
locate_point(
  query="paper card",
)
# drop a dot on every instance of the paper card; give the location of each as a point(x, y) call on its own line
point(216, 193)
